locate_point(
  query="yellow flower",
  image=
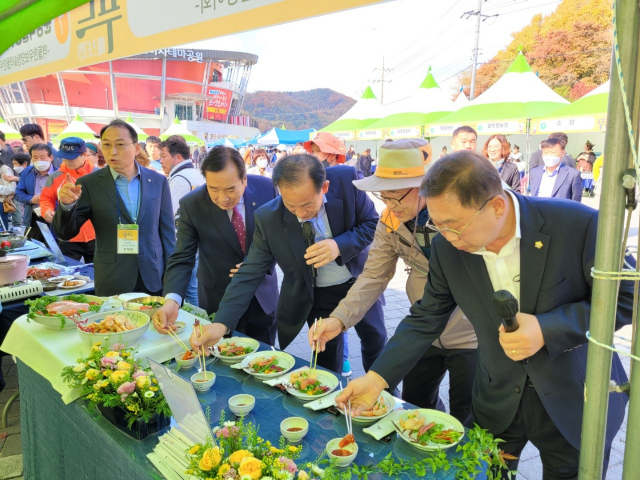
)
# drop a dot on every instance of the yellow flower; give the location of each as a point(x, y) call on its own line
point(302, 475)
point(124, 366)
point(252, 467)
point(142, 381)
point(80, 367)
point(153, 389)
point(210, 458)
point(92, 374)
point(112, 354)
point(275, 450)
point(293, 448)
point(132, 408)
point(238, 456)
point(154, 380)
point(107, 372)
point(125, 354)
point(224, 468)
point(100, 384)
point(195, 449)
point(118, 376)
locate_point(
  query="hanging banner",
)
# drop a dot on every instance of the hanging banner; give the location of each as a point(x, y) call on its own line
point(405, 132)
point(505, 127)
point(443, 129)
point(343, 135)
point(369, 134)
point(218, 104)
point(110, 29)
point(594, 123)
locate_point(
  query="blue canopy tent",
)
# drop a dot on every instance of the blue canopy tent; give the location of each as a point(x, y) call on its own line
point(277, 136)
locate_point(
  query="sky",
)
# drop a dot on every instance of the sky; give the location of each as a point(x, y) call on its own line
point(344, 51)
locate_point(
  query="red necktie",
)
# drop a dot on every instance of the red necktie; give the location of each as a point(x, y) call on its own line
point(238, 226)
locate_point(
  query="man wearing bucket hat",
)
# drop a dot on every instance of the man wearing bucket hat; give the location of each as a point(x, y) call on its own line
point(401, 233)
point(329, 149)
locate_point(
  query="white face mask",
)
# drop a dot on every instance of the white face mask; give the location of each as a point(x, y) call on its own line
point(262, 162)
point(550, 160)
point(41, 165)
point(18, 169)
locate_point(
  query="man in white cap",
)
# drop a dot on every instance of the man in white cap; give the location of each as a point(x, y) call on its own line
point(401, 233)
point(281, 152)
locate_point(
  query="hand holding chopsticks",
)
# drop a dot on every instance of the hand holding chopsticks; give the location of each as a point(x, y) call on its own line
point(314, 359)
point(175, 336)
point(347, 416)
point(198, 332)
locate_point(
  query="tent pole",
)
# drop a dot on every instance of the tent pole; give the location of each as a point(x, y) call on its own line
point(604, 298)
point(528, 153)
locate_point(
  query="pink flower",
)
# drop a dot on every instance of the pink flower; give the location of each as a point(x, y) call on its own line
point(223, 432)
point(123, 397)
point(117, 347)
point(139, 373)
point(107, 361)
point(127, 387)
point(288, 464)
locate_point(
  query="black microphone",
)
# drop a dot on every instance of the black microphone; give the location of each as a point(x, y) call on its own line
point(309, 235)
point(506, 306)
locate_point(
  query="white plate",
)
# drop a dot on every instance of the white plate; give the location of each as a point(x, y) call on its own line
point(79, 284)
point(326, 378)
point(61, 278)
point(53, 323)
point(432, 416)
point(243, 341)
point(391, 404)
point(128, 338)
point(285, 361)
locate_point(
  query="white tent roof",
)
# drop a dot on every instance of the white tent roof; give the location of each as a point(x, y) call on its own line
point(77, 128)
point(461, 101)
point(365, 111)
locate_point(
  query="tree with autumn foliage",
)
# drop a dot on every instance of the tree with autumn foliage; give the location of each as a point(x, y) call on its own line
point(570, 50)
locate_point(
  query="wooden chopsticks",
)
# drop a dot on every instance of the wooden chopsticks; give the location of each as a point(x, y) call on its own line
point(347, 415)
point(313, 367)
point(175, 336)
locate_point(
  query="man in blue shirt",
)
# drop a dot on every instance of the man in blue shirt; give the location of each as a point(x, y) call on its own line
point(554, 179)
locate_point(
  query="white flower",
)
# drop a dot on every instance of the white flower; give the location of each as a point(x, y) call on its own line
point(246, 477)
point(79, 368)
point(229, 424)
point(317, 470)
point(215, 429)
point(92, 363)
point(134, 394)
point(149, 394)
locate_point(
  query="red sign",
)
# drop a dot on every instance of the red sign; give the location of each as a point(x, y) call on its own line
point(218, 104)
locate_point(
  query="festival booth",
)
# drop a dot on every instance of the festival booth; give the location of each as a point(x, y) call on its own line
point(177, 128)
point(406, 118)
point(505, 108)
point(10, 133)
point(77, 128)
point(277, 136)
point(461, 100)
point(142, 136)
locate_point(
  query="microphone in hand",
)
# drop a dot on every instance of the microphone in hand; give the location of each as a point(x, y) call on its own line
point(506, 306)
point(309, 235)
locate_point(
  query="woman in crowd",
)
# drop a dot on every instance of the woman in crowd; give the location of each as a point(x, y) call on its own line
point(586, 159)
point(365, 162)
point(261, 161)
point(515, 155)
point(444, 152)
point(143, 159)
point(496, 149)
point(7, 190)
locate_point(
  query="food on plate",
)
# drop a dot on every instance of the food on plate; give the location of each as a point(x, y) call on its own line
point(42, 273)
point(265, 365)
point(143, 305)
point(230, 349)
point(379, 408)
point(110, 324)
point(311, 386)
point(67, 307)
point(188, 356)
point(348, 439)
point(341, 452)
point(60, 279)
point(72, 283)
point(413, 426)
point(294, 429)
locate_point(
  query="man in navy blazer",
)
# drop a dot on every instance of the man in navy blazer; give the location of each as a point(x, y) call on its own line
point(529, 383)
point(554, 179)
point(206, 224)
point(122, 193)
point(343, 220)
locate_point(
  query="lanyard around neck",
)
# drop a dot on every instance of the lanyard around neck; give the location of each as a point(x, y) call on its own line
point(135, 218)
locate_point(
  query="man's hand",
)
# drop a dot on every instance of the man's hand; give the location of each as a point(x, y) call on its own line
point(234, 270)
point(165, 316)
point(69, 192)
point(35, 200)
point(322, 253)
point(524, 342)
point(48, 217)
point(210, 336)
point(327, 330)
point(363, 392)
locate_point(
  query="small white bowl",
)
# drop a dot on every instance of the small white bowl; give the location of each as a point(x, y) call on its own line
point(340, 461)
point(202, 383)
point(294, 422)
point(186, 364)
point(242, 404)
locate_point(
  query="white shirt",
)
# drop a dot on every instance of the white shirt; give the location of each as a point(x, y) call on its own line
point(182, 181)
point(548, 181)
point(504, 267)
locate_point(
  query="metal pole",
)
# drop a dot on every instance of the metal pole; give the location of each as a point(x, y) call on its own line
point(475, 52)
point(114, 91)
point(608, 244)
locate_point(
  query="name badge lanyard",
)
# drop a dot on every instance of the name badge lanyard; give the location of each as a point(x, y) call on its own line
point(127, 234)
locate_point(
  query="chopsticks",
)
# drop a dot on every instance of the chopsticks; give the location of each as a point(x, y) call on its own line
point(313, 367)
point(175, 336)
point(347, 415)
point(201, 359)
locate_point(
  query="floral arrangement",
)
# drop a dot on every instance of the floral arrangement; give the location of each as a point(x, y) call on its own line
point(114, 378)
point(240, 454)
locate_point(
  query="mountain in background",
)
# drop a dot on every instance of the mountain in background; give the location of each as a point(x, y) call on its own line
point(570, 50)
point(315, 108)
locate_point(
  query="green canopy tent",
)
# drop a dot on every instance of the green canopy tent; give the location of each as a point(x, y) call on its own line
point(10, 133)
point(365, 112)
point(142, 136)
point(177, 128)
point(427, 104)
point(77, 128)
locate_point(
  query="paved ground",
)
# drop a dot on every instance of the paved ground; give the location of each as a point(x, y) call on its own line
point(396, 308)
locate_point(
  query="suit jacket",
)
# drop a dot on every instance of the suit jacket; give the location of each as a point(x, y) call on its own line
point(536, 160)
point(568, 183)
point(25, 191)
point(205, 226)
point(511, 176)
point(278, 236)
point(555, 286)
point(116, 273)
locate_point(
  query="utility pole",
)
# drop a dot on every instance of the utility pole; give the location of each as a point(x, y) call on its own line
point(382, 81)
point(481, 18)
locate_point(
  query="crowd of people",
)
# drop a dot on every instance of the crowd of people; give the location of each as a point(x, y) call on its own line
point(209, 228)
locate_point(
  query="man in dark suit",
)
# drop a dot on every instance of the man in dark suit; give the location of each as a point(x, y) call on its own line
point(529, 383)
point(207, 223)
point(344, 221)
point(130, 209)
point(568, 160)
point(555, 179)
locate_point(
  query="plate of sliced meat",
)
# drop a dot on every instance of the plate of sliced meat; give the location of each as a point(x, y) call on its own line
point(62, 313)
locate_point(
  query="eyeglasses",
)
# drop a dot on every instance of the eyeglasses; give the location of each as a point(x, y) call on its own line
point(391, 202)
point(120, 146)
point(457, 233)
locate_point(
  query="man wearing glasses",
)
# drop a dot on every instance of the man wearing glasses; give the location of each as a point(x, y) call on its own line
point(530, 383)
point(130, 209)
point(402, 233)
